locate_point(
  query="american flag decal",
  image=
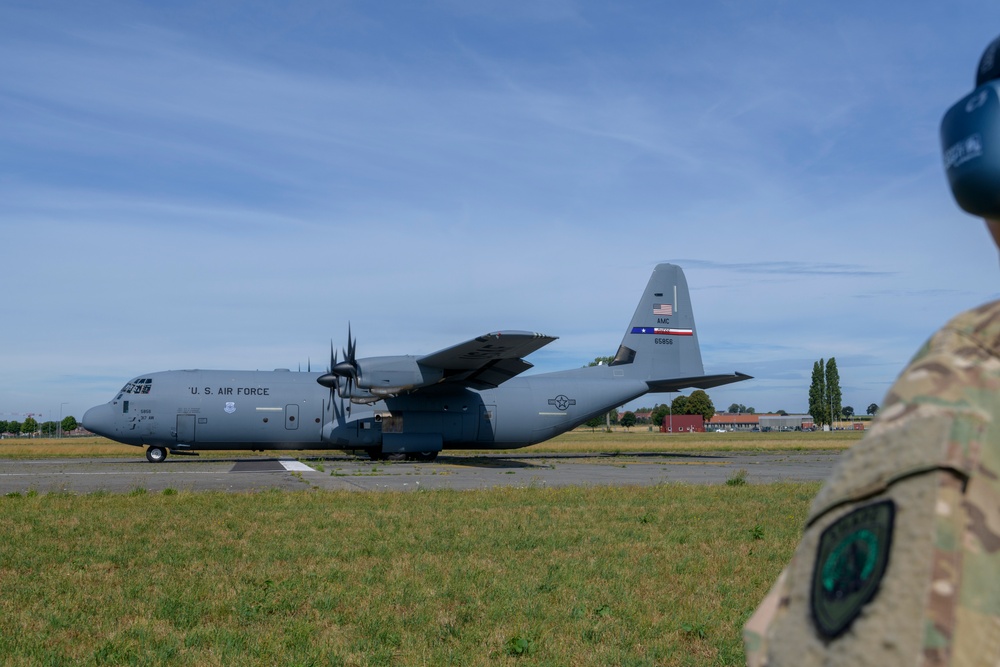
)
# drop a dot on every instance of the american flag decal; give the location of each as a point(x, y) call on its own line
point(663, 309)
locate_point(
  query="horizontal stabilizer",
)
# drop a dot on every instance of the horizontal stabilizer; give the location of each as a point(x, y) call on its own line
point(699, 382)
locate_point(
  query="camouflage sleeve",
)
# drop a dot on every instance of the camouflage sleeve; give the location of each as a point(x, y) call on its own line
point(899, 562)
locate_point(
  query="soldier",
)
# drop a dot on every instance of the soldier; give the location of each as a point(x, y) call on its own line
point(899, 563)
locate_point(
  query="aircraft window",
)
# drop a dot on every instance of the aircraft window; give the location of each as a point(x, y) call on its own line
point(142, 386)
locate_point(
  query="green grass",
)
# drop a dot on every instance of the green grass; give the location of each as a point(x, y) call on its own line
point(663, 575)
point(641, 439)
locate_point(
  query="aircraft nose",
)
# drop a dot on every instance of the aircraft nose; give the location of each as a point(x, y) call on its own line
point(99, 420)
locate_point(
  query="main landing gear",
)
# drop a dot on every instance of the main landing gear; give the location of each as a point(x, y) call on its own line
point(156, 454)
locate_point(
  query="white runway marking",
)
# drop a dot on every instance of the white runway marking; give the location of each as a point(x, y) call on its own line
point(296, 466)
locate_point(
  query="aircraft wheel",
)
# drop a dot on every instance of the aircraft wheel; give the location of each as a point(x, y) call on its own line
point(422, 457)
point(156, 454)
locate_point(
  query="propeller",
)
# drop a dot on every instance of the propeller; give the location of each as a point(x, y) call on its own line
point(347, 369)
point(332, 381)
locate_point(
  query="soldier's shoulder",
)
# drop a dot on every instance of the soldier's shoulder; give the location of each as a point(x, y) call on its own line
point(953, 365)
point(981, 325)
point(938, 414)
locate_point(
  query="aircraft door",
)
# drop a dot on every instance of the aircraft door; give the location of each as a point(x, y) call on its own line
point(291, 416)
point(185, 428)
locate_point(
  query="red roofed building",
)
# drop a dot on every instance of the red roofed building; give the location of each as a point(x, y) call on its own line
point(731, 421)
point(683, 424)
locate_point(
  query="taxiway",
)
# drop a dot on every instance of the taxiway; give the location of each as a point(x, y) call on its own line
point(449, 471)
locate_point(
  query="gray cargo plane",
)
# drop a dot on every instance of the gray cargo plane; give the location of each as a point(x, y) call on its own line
point(468, 396)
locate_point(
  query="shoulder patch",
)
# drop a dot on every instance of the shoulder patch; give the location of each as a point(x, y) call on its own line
point(850, 562)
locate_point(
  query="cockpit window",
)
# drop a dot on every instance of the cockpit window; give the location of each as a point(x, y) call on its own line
point(141, 386)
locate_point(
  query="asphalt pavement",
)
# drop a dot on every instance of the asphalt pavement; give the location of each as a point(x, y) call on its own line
point(450, 471)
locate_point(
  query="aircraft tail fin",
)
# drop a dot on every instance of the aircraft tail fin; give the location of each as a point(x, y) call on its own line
point(661, 343)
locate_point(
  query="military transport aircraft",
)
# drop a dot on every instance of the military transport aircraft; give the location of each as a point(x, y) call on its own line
point(468, 396)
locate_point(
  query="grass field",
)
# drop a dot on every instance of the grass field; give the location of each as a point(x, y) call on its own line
point(581, 440)
point(662, 575)
point(640, 439)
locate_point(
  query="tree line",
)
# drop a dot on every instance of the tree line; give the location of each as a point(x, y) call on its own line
point(31, 426)
point(825, 402)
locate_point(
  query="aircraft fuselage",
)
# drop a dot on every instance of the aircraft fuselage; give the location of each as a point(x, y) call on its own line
point(209, 409)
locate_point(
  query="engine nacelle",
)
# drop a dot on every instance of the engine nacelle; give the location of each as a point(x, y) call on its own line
point(388, 376)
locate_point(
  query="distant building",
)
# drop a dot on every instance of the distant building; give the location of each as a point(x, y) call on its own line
point(786, 422)
point(732, 421)
point(763, 422)
point(683, 424)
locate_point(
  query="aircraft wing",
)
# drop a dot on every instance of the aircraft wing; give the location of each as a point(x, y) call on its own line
point(488, 360)
point(698, 382)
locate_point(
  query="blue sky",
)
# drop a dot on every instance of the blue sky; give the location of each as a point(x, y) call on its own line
point(228, 184)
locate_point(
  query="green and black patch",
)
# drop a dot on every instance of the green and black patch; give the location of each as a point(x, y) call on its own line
point(850, 562)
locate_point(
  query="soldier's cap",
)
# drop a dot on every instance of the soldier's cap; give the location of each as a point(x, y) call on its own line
point(989, 64)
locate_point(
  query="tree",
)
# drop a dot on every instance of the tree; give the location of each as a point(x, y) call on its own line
point(30, 426)
point(833, 394)
point(599, 361)
point(69, 424)
point(606, 420)
point(3, 425)
point(48, 428)
point(14, 428)
point(628, 419)
point(736, 408)
point(872, 409)
point(847, 411)
point(824, 392)
point(781, 412)
point(699, 403)
point(661, 413)
point(817, 394)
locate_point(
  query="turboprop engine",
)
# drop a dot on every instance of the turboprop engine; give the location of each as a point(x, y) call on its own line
point(374, 378)
point(389, 376)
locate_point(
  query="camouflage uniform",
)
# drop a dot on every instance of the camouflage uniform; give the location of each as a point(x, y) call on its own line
point(899, 563)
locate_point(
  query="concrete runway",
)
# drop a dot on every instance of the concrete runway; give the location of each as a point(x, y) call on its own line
point(451, 471)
